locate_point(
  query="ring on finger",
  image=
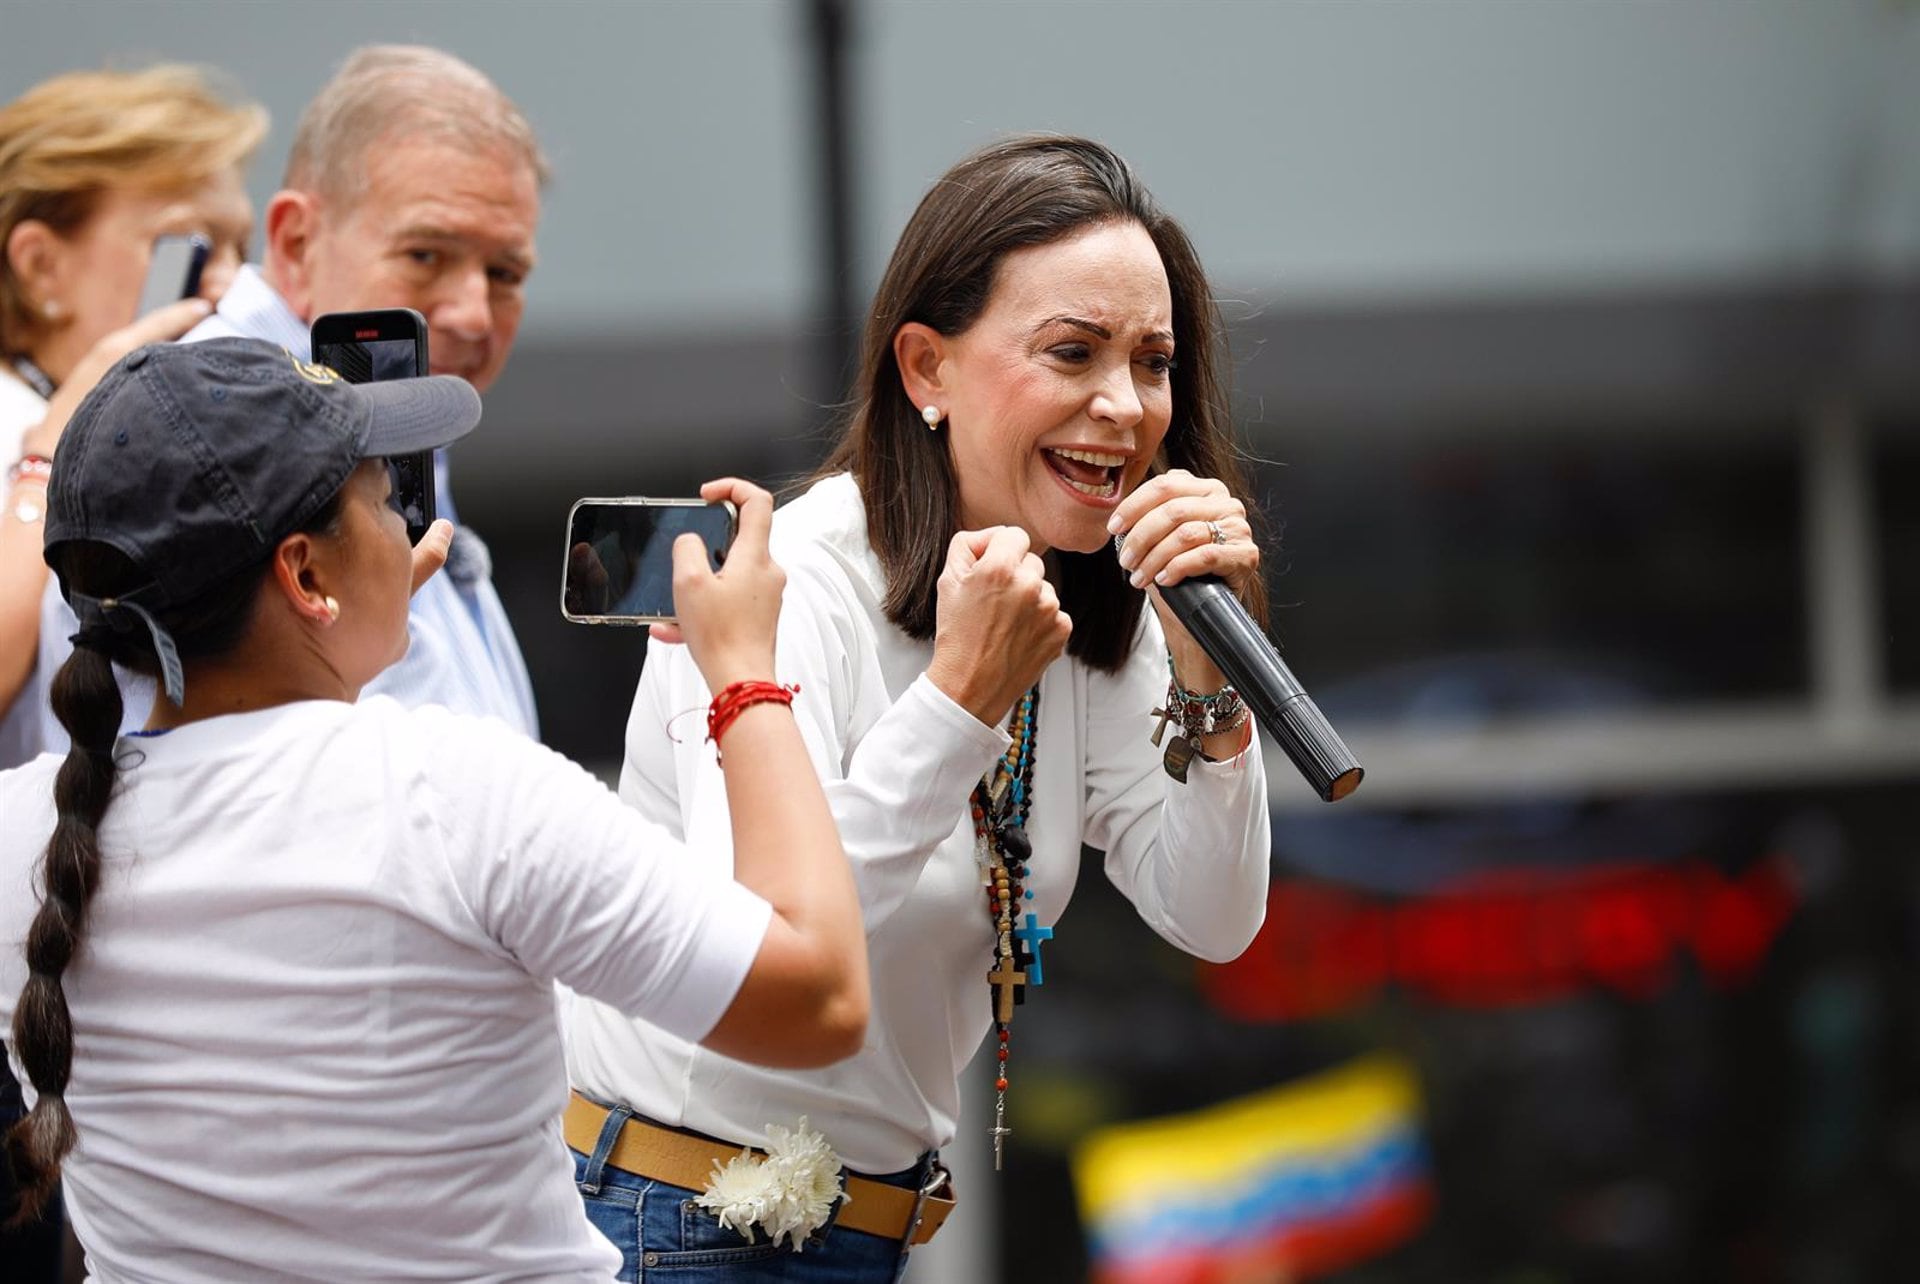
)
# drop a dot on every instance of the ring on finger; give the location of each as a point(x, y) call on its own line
point(1219, 536)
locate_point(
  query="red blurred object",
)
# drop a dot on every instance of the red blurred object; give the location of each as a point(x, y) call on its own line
point(1506, 941)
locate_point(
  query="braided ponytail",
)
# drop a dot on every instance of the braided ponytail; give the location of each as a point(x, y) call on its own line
point(87, 701)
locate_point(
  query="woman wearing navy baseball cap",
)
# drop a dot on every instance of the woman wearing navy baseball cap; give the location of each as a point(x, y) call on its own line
point(285, 1001)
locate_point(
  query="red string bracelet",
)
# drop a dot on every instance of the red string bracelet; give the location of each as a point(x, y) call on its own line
point(736, 700)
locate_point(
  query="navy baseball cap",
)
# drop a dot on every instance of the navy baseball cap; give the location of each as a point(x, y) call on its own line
point(196, 459)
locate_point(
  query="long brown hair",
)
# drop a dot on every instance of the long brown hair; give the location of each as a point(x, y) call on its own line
point(1032, 189)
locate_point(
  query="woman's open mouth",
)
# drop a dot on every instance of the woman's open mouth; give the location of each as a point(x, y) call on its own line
point(1094, 473)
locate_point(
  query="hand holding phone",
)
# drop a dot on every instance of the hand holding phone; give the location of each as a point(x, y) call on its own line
point(727, 618)
point(377, 344)
point(619, 567)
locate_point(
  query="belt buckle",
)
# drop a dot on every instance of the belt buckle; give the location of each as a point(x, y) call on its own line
point(937, 1177)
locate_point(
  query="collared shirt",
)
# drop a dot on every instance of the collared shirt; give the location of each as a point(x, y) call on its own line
point(252, 309)
point(461, 653)
point(899, 760)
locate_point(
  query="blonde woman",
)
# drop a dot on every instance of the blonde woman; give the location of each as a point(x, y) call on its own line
point(93, 166)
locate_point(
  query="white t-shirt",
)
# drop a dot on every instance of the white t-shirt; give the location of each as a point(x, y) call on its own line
point(20, 409)
point(899, 760)
point(314, 1010)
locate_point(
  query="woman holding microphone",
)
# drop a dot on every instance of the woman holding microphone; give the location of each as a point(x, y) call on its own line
point(981, 677)
point(280, 967)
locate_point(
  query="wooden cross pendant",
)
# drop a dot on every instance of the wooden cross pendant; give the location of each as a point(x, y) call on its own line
point(1006, 981)
point(1165, 716)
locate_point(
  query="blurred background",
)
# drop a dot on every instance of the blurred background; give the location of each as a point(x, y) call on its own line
point(1578, 349)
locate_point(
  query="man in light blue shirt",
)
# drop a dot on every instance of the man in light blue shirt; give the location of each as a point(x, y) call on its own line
point(412, 182)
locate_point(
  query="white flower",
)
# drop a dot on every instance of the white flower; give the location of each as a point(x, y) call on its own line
point(789, 1193)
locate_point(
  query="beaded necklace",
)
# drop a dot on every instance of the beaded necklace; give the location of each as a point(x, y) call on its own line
point(1001, 803)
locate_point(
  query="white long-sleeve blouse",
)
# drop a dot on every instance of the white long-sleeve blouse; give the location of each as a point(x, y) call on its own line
point(899, 760)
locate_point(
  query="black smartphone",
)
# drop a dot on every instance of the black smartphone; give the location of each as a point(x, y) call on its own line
point(619, 563)
point(366, 347)
point(173, 270)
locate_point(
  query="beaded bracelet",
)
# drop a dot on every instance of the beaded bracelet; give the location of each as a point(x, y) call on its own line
point(1204, 715)
point(30, 468)
point(1197, 716)
point(736, 700)
point(30, 505)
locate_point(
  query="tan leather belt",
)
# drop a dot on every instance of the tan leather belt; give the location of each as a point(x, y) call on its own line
point(648, 1150)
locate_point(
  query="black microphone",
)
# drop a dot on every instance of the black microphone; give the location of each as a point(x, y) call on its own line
point(1230, 638)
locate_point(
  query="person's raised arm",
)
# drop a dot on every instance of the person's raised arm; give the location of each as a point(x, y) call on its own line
point(806, 998)
point(998, 624)
point(23, 573)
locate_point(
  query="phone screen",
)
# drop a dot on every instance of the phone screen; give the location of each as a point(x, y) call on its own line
point(619, 566)
point(173, 271)
point(371, 361)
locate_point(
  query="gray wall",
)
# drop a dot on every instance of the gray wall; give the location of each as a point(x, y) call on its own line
point(1443, 218)
point(1380, 149)
point(1319, 151)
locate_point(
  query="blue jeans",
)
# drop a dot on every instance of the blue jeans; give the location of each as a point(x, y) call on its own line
point(663, 1235)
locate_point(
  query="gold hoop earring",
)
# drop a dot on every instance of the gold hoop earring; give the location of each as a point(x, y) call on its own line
point(932, 416)
point(333, 607)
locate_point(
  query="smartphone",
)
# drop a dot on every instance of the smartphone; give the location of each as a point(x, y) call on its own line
point(366, 347)
point(619, 563)
point(173, 270)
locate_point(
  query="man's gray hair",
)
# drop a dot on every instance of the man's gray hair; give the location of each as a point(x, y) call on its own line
point(387, 92)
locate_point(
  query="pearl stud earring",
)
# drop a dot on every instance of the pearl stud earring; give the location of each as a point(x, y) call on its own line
point(333, 607)
point(932, 415)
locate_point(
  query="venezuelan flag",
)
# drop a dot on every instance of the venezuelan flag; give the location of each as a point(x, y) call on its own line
point(1303, 1179)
